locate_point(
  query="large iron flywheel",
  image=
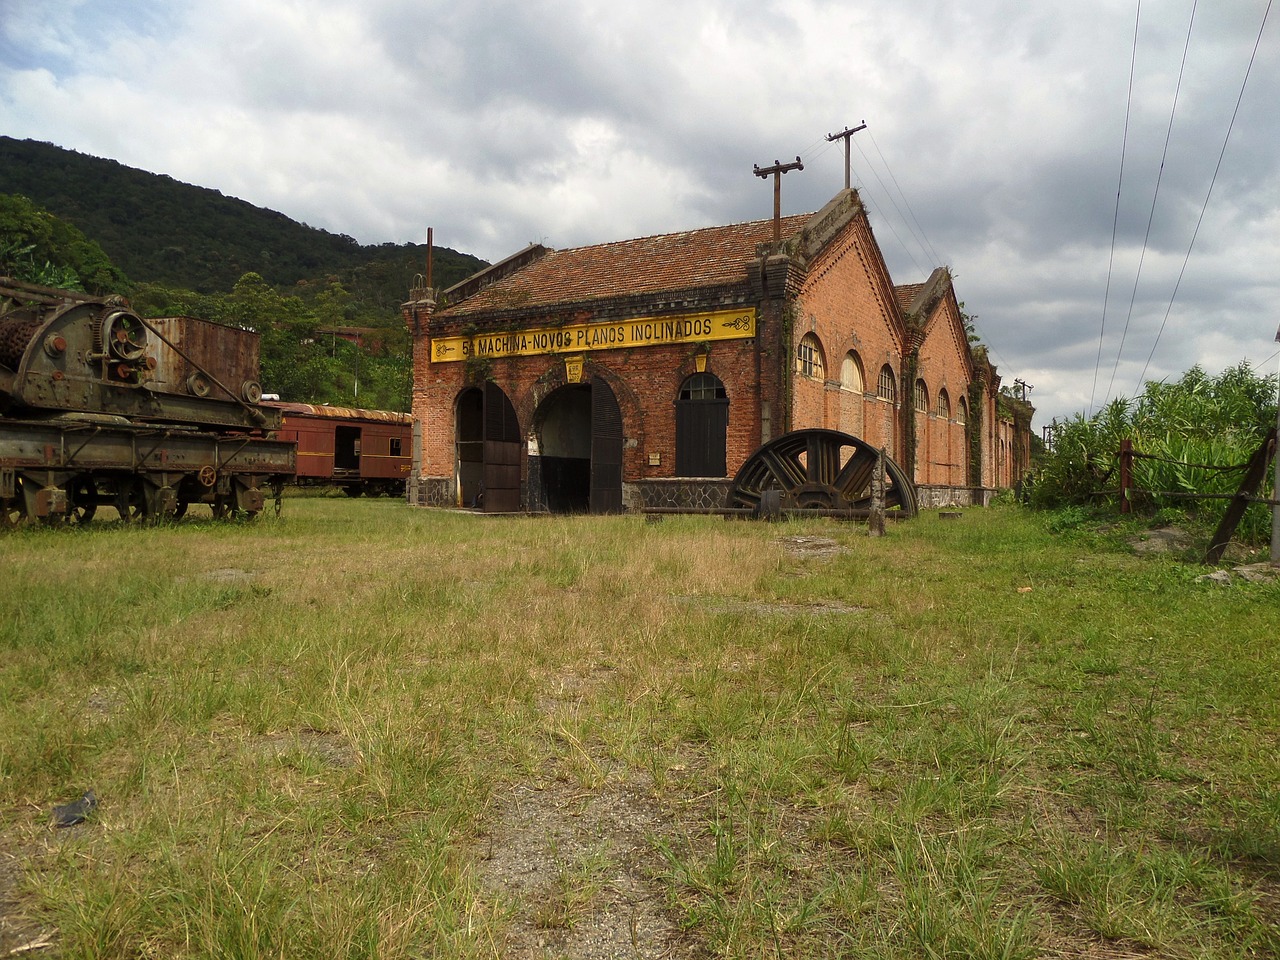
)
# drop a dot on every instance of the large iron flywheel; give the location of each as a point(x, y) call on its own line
point(819, 470)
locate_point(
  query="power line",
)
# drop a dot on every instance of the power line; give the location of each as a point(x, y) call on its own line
point(1168, 135)
point(870, 198)
point(1222, 153)
point(888, 193)
point(932, 252)
point(1115, 221)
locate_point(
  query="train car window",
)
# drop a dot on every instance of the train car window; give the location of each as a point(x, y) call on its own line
point(395, 447)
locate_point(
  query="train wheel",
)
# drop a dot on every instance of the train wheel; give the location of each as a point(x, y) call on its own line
point(13, 510)
point(353, 490)
point(180, 508)
point(84, 500)
point(131, 501)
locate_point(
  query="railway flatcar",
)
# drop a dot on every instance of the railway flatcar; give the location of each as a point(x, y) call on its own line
point(101, 406)
point(365, 452)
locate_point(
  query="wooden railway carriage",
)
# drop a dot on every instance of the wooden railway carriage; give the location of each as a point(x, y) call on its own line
point(365, 452)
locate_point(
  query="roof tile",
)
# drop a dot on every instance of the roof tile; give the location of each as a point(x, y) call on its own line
point(693, 259)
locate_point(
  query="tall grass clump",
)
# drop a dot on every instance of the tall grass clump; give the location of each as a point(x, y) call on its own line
point(1190, 434)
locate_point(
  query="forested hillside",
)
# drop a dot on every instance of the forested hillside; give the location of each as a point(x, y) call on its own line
point(158, 230)
point(69, 220)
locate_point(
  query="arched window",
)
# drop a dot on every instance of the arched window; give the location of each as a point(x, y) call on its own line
point(809, 358)
point(887, 388)
point(702, 423)
point(851, 373)
point(962, 412)
point(921, 397)
point(944, 405)
point(703, 386)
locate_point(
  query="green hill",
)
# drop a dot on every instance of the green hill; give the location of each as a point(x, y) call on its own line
point(158, 230)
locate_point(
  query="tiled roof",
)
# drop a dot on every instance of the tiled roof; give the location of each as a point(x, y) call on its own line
point(711, 257)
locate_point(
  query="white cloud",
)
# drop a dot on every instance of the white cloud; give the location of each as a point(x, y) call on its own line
point(575, 121)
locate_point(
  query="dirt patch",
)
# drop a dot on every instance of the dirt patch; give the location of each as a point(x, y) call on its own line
point(19, 934)
point(764, 608)
point(1162, 540)
point(230, 575)
point(576, 871)
point(821, 548)
point(325, 747)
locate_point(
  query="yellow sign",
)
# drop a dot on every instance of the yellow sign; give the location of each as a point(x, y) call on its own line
point(573, 369)
point(603, 335)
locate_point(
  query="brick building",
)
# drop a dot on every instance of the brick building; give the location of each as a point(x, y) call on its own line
point(646, 372)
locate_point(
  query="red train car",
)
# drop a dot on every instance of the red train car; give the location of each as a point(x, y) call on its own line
point(365, 452)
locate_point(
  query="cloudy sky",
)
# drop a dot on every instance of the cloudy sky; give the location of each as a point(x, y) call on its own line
point(995, 135)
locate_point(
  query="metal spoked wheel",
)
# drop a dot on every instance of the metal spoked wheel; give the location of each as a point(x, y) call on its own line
point(819, 470)
point(84, 500)
point(131, 501)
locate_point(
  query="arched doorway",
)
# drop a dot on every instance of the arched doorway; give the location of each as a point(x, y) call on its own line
point(487, 434)
point(578, 468)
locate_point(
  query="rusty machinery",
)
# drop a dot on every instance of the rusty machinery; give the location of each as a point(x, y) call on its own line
point(98, 405)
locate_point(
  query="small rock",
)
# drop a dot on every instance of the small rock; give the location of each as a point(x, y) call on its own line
point(1221, 577)
point(1257, 572)
point(69, 814)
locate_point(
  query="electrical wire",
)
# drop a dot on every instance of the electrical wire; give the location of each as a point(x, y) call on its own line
point(1155, 194)
point(888, 193)
point(1115, 221)
point(1205, 206)
point(921, 238)
point(889, 223)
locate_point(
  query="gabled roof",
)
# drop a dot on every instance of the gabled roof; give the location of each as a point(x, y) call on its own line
point(691, 260)
point(907, 293)
point(918, 299)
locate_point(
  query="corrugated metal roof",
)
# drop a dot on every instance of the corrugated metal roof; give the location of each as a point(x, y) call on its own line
point(338, 413)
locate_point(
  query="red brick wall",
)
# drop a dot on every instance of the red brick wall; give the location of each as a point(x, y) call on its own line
point(645, 380)
point(944, 364)
point(846, 304)
point(845, 300)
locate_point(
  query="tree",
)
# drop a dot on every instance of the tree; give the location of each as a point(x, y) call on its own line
point(37, 247)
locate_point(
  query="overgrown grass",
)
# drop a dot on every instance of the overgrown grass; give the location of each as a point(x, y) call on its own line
point(971, 738)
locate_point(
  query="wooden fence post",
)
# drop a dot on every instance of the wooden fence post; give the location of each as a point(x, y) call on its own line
point(1249, 486)
point(875, 522)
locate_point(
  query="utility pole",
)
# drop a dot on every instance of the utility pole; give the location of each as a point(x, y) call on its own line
point(429, 257)
point(778, 169)
point(846, 135)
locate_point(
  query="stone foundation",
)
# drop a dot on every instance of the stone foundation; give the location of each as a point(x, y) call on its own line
point(933, 497)
point(684, 493)
point(433, 492)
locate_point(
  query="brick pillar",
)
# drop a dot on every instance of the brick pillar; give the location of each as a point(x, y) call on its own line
point(417, 317)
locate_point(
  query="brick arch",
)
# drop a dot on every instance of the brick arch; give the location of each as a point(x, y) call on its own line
point(552, 378)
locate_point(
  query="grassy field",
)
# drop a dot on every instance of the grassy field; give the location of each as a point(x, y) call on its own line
point(360, 730)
